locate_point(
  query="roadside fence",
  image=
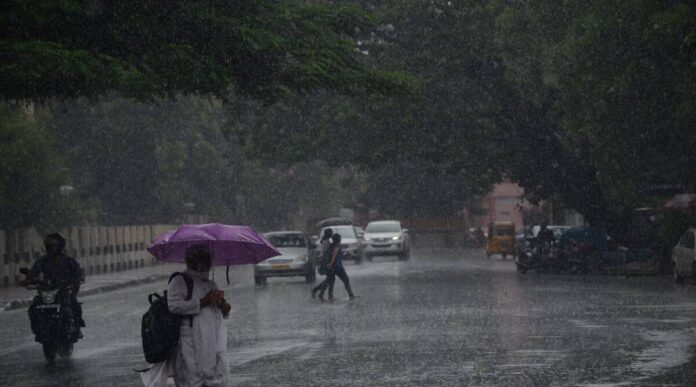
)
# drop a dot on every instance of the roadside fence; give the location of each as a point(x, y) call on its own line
point(98, 249)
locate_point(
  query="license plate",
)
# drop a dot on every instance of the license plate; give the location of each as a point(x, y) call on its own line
point(381, 245)
point(48, 306)
point(280, 267)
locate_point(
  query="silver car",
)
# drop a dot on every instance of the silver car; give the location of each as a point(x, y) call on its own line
point(294, 261)
point(351, 243)
point(387, 237)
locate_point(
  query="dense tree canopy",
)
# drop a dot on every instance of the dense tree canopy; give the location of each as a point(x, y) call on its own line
point(580, 102)
point(585, 103)
point(160, 48)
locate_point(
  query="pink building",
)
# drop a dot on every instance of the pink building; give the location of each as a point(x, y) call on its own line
point(504, 203)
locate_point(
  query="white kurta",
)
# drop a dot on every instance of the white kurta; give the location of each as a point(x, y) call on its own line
point(200, 358)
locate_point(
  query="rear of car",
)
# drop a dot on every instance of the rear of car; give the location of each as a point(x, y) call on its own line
point(294, 260)
point(386, 237)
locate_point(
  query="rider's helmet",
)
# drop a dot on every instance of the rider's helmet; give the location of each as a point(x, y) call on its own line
point(54, 243)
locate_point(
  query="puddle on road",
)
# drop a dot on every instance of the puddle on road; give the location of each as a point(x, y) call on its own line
point(670, 349)
point(240, 356)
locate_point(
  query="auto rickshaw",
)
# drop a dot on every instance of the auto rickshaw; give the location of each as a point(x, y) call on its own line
point(501, 239)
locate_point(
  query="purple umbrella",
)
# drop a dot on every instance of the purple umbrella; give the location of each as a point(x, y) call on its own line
point(229, 245)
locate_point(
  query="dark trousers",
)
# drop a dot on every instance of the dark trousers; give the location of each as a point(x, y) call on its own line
point(343, 276)
point(321, 288)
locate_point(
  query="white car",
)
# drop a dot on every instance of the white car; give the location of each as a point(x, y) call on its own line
point(684, 256)
point(386, 237)
point(294, 260)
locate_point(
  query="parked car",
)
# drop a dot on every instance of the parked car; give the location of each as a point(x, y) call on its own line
point(386, 237)
point(351, 244)
point(683, 256)
point(296, 259)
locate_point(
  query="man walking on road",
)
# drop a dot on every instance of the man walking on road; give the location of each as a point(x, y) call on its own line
point(336, 269)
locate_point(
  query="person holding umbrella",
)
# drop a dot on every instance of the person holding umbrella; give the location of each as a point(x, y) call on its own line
point(200, 359)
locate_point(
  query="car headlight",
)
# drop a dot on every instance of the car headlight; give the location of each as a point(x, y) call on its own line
point(396, 238)
point(301, 258)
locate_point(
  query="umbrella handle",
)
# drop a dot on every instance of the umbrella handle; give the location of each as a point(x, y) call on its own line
point(228, 274)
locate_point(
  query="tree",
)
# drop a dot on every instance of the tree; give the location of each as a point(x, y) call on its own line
point(31, 174)
point(443, 124)
point(159, 48)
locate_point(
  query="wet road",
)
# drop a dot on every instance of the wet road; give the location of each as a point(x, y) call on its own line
point(443, 318)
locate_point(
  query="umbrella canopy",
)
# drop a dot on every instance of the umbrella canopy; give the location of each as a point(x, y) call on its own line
point(229, 245)
point(336, 221)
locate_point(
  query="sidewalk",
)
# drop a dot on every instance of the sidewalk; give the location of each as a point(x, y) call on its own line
point(19, 298)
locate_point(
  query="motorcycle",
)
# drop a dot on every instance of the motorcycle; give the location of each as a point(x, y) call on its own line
point(53, 318)
point(538, 256)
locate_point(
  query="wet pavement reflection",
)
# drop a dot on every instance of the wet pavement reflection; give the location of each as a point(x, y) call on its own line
point(446, 317)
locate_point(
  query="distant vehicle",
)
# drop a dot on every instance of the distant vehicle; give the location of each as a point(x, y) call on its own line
point(352, 245)
point(296, 259)
point(501, 239)
point(557, 230)
point(530, 232)
point(684, 256)
point(387, 237)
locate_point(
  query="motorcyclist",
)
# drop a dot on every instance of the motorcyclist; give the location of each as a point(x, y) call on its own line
point(545, 235)
point(61, 270)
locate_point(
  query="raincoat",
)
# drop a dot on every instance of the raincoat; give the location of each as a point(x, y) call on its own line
point(200, 357)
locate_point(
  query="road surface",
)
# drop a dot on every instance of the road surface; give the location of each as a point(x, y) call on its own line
point(446, 317)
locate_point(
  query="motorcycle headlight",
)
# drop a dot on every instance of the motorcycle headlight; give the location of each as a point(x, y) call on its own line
point(48, 296)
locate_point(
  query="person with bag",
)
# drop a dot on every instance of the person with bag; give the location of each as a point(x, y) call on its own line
point(337, 269)
point(334, 268)
point(324, 256)
point(199, 359)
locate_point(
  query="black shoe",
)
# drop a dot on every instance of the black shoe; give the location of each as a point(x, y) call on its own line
point(314, 293)
point(352, 297)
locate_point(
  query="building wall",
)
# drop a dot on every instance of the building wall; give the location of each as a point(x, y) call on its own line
point(504, 203)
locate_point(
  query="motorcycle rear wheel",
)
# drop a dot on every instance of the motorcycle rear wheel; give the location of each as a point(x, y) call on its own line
point(49, 351)
point(65, 350)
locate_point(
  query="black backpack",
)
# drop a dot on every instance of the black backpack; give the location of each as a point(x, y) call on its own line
point(160, 327)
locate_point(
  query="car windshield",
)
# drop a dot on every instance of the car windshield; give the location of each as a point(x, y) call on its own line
point(287, 240)
point(343, 231)
point(383, 227)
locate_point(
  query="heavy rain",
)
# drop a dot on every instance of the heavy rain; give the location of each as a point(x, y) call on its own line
point(347, 192)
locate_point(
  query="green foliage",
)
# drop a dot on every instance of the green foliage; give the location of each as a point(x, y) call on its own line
point(142, 163)
point(149, 49)
point(31, 173)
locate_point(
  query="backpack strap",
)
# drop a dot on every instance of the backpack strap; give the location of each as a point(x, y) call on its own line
point(188, 280)
point(189, 289)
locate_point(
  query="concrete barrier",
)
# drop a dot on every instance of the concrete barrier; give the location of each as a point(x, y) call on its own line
point(98, 249)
